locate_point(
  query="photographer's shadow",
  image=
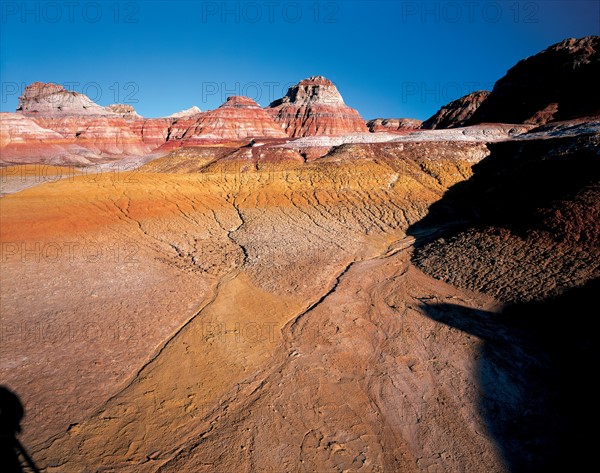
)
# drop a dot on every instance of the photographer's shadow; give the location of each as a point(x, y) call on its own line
point(13, 455)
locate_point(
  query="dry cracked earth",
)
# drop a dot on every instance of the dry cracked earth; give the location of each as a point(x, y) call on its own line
point(238, 310)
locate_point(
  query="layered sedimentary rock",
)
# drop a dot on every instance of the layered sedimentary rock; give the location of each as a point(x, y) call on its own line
point(102, 134)
point(393, 124)
point(22, 141)
point(154, 132)
point(558, 83)
point(78, 127)
point(48, 99)
point(239, 118)
point(101, 130)
point(458, 112)
point(315, 107)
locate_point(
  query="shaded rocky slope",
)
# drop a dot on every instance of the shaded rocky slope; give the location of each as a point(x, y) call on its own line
point(530, 218)
point(458, 112)
point(532, 368)
point(558, 83)
point(524, 229)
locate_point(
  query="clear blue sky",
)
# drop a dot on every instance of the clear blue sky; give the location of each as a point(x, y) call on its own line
point(388, 58)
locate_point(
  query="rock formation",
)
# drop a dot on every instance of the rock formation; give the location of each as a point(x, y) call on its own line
point(105, 131)
point(85, 132)
point(457, 113)
point(51, 99)
point(533, 208)
point(186, 113)
point(315, 107)
point(154, 132)
point(239, 118)
point(393, 124)
point(126, 111)
point(105, 135)
point(23, 141)
point(558, 83)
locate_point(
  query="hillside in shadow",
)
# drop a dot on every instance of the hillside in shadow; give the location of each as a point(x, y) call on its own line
point(524, 227)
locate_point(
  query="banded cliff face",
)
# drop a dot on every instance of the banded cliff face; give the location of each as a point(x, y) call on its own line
point(23, 141)
point(239, 118)
point(81, 122)
point(315, 107)
point(84, 132)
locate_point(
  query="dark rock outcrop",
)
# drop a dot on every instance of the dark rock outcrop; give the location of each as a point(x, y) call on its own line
point(529, 221)
point(559, 83)
point(458, 112)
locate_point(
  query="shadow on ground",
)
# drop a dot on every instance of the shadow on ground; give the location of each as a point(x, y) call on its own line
point(535, 372)
point(13, 455)
point(537, 364)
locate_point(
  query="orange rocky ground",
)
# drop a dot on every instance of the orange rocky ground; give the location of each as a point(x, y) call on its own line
point(181, 319)
point(237, 307)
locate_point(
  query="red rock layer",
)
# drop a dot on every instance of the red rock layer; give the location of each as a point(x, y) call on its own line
point(72, 126)
point(315, 107)
point(238, 118)
point(153, 132)
point(23, 141)
point(109, 134)
point(79, 121)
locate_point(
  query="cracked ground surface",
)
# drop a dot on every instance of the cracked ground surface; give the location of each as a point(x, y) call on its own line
point(241, 319)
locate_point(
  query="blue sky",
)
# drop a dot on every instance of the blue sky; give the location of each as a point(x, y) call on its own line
point(388, 58)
